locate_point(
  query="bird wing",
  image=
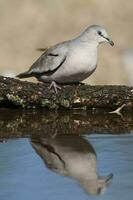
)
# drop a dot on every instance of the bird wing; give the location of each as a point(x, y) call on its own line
point(50, 60)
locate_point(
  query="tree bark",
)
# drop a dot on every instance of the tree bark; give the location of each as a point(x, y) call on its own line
point(23, 94)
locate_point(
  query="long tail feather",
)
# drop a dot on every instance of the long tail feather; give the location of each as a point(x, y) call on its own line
point(24, 75)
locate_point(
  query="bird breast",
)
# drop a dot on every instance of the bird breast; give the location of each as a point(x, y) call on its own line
point(83, 59)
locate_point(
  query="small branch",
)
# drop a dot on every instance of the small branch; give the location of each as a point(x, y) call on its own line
point(118, 110)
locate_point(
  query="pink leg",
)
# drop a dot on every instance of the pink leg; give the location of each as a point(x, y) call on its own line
point(55, 86)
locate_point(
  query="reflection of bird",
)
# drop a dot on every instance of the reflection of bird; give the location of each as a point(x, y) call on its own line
point(70, 61)
point(75, 157)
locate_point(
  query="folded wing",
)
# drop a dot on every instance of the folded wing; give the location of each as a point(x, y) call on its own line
point(50, 60)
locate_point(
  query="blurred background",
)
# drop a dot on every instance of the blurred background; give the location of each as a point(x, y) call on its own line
point(28, 25)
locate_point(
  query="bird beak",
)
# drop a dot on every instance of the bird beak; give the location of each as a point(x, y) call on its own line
point(109, 178)
point(106, 179)
point(110, 42)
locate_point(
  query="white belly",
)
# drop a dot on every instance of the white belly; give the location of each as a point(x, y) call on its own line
point(71, 77)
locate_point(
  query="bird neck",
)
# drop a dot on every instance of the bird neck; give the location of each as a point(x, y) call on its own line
point(88, 40)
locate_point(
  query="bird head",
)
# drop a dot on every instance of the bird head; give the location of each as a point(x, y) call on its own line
point(96, 186)
point(97, 34)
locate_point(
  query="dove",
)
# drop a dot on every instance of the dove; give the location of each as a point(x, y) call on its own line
point(70, 61)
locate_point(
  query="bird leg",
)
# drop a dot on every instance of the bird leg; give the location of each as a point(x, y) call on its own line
point(55, 86)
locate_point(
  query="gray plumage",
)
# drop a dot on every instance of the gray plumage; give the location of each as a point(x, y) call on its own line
point(70, 61)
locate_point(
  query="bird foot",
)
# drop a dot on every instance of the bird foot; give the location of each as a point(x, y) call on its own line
point(55, 86)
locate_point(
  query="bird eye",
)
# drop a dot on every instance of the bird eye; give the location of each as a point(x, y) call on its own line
point(99, 32)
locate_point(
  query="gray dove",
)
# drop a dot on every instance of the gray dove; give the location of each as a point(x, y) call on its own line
point(71, 61)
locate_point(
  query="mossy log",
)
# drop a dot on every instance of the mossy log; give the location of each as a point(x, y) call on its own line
point(23, 94)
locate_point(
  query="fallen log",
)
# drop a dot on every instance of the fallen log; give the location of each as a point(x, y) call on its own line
point(23, 94)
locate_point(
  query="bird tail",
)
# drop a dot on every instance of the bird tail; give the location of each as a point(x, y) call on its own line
point(24, 75)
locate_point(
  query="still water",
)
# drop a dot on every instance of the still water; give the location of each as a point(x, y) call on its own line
point(66, 166)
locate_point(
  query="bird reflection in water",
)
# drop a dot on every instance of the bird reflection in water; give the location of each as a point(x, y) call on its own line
point(72, 156)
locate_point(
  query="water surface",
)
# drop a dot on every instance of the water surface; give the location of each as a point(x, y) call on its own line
point(65, 165)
